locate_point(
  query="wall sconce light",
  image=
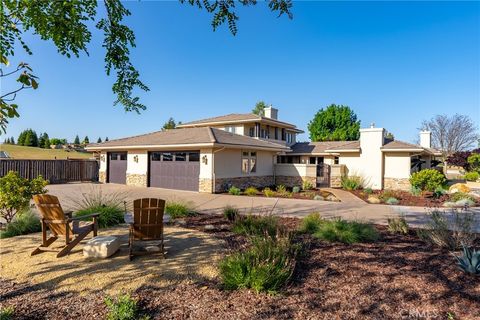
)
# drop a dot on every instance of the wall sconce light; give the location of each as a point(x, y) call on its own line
point(135, 158)
point(205, 159)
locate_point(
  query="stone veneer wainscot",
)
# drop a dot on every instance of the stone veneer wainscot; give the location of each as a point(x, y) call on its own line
point(138, 180)
point(222, 185)
point(397, 184)
point(102, 176)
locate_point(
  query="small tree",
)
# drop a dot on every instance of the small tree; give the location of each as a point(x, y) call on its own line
point(106, 139)
point(16, 192)
point(31, 138)
point(170, 124)
point(390, 136)
point(43, 141)
point(474, 162)
point(99, 140)
point(460, 158)
point(259, 108)
point(12, 140)
point(335, 123)
point(77, 140)
point(21, 138)
point(86, 140)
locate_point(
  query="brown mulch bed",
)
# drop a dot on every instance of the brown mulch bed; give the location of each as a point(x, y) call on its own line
point(397, 277)
point(302, 195)
point(405, 198)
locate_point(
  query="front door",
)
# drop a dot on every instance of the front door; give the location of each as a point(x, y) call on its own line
point(323, 175)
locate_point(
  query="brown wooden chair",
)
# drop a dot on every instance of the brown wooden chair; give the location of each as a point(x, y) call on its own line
point(61, 224)
point(147, 224)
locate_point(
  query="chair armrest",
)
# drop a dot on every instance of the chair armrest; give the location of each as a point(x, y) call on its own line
point(93, 215)
point(56, 221)
point(69, 214)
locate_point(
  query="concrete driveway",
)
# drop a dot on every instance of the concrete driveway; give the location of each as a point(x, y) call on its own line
point(350, 207)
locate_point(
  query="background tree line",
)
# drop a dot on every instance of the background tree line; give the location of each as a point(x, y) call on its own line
point(30, 138)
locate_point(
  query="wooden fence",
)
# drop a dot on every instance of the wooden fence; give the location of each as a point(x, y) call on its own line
point(56, 171)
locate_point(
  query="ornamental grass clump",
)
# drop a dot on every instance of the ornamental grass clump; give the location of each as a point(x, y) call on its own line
point(234, 191)
point(108, 216)
point(230, 213)
point(251, 191)
point(123, 307)
point(311, 223)
point(351, 183)
point(268, 192)
point(266, 266)
point(338, 230)
point(251, 225)
point(25, 222)
point(398, 225)
point(178, 209)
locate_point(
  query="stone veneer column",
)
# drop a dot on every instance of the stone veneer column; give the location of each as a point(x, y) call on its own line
point(397, 184)
point(205, 185)
point(102, 176)
point(337, 172)
point(137, 180)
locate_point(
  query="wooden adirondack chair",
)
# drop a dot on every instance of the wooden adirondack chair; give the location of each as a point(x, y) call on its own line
point(61, 224)
point(147, 224)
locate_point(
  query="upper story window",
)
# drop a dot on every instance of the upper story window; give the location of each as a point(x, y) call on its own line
point(251, 131)
point(249, 162)
point(289, 137)
point(263, 133)
point(231, 129)
point(336, 160)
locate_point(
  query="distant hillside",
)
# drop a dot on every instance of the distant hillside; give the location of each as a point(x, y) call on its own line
point(21, 152)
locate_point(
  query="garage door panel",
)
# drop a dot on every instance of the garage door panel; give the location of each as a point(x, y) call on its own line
point(180, 173)
point(117, 167)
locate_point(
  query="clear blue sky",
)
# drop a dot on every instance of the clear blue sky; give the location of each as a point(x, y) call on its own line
point(394, 63)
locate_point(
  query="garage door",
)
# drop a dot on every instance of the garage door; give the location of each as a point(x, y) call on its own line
point(175, 170)
point(117, 167)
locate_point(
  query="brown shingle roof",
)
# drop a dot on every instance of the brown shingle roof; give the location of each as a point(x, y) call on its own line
point(186, 136)
point(396, 144)
point(322, 146)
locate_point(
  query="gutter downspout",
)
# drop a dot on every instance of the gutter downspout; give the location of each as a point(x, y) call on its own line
point(213, 168)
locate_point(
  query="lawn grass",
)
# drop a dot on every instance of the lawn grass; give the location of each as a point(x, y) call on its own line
point(22, 152)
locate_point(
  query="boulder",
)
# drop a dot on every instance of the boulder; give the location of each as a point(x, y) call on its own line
point(373, 200)
point(459, 187)
point(101, 247)
point(318, 197)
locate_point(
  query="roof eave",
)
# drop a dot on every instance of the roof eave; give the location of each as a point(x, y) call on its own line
point(343, 150)
point(402, 150)
point(150, 147)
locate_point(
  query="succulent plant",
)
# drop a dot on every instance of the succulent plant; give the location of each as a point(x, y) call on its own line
point(296, 189)
point(392, 200)
point(469, 261)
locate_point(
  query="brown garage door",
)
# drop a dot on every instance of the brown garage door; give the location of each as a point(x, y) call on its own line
point(117, 167)
point(175, 170)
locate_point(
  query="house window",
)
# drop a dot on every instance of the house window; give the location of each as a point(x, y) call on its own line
point(167, 156)
point(230, 129)
point(180, 156)
point(194, 156)
point(289, 137)
point(249, 162)
point(320, 160)
point(263, 133)
point(155, 156)
point(312, 160)
point(336, 160)
point(251, 132)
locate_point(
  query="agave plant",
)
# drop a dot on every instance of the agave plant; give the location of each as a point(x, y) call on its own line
point(469, 261)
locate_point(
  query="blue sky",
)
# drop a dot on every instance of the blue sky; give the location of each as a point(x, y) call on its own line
point(394, 63)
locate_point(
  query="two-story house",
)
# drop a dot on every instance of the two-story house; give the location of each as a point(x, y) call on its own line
point(242, 150)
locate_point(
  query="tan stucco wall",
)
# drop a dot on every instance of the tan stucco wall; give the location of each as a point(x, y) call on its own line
point(353, 163)
point(140, 167)
point(397, 165)
point(103, 162)
point(206, 169)
point(228, 163)
point(371, 157)
point(296, 169)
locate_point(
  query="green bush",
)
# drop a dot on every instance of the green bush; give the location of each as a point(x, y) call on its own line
point(234, 191)
point(179, 209)
point(265, 267)
point(268, 192)
point(474, 161)
point(7, 313)
point(415, 191)
point(339, 230)
point(251, 225)
point(230, 213)
point(472, 176)
point(296, 189)
point(392, 201)
point(387, 194)
point(123, 307)
point(307, 185)
point(351, 183)
point(281, 189)
point(311, 223)
point(457, 196)
point(24, 223)
point(397, 225)
point(251, 191)
point(427, 179)
point(109, 216)
point(368, 191)
point(16, 192)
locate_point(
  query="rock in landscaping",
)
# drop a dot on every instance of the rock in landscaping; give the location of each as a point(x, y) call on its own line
point(449, 204)
point(318, 197)
point(459, 187)
point(209, 227)
point(464, 203)
point(180, 222)
point(373, 200)
point(101, 247)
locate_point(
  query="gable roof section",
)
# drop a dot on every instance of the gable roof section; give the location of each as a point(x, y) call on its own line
point(325, 147)
point(236, 118)
point(401, 146)
point(187, 137)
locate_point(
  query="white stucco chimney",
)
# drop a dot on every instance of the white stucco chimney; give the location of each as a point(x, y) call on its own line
point(425, 139)
point(270, 112)
point(371, 157)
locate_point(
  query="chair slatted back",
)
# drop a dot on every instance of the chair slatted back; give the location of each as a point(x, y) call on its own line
point(148, 218)
point(50, 209)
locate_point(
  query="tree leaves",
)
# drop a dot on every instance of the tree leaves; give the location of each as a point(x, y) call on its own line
point(335, 123)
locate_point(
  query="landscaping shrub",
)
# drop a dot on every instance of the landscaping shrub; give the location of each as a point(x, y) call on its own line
point(351, 183)
point(472, 176)
point(179, 209)
point(464, 203)
point(281, 189)
point(474, 161)
point(7, 313)
point(368, 191)
point(265, 267)
point(427, 179)
point(230, 213)
point(268, 192)
point(388, 194)
point(339, 230)
point(109, 216)
point(251, 191)
point(318, 197)
point(25, 222)
point(449, 230)
point(251, 225)
point(307, 185)
point(415, 191)
point(234, 191)
point(123, 307)
point(392, 201)
point(397, 225)
point(296, 189)
point(311, 223)
point(457, 196)
point(439, 191)
point(96, 198)
point(16, 192)
point(469, 261)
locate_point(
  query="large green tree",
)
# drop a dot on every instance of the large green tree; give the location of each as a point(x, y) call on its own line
point(170, 124)
point(259, 108)
point(334, 123)
point(67, 24)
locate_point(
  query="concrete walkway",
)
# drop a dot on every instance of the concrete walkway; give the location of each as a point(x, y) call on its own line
point(350, 206)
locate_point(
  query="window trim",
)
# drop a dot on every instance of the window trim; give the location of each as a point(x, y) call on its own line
point(249, 155)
